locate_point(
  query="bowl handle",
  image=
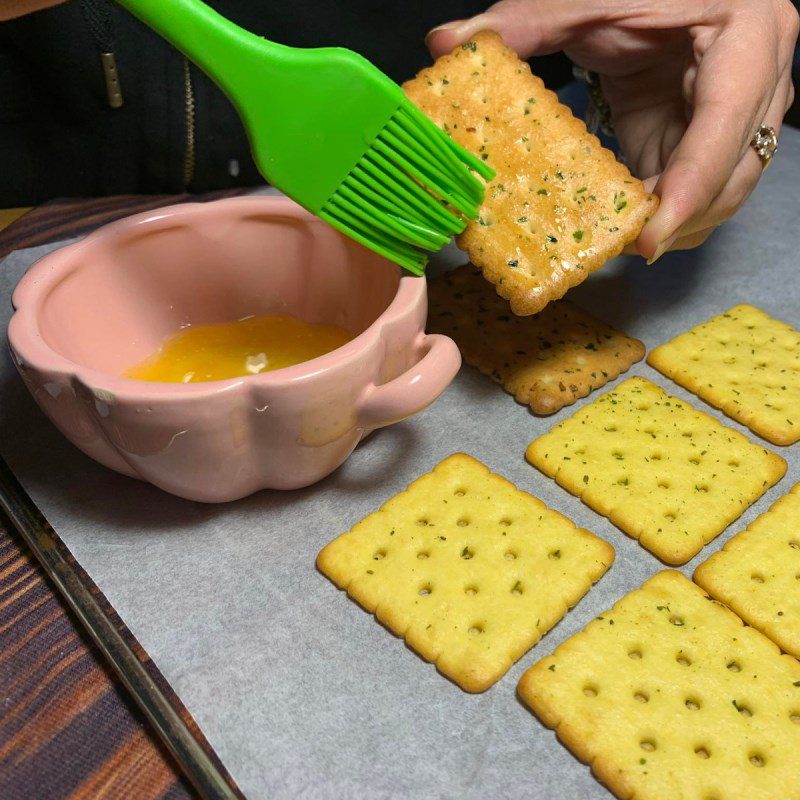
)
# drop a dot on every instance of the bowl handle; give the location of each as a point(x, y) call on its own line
point(415, 389)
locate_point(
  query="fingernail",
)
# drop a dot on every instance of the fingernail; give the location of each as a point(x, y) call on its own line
point(444, 27)
point(661, 249)
point(457, 25)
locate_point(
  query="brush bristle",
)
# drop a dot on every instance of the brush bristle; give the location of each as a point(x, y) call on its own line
point(410, 192)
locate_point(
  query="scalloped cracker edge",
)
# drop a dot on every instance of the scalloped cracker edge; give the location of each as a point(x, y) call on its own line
point(468, 569)
point(745, 363)
point(757, 573)
point(666, 474)
point(669, 695)
point(561, 205)
point(547, 360)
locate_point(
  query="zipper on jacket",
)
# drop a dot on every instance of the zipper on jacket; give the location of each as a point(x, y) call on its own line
point(99, 16)
point(189, 118)
point(113, 89)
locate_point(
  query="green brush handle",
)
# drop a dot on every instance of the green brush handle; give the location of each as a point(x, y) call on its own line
point(300, 106)
point(334, 133)
point(223, 50)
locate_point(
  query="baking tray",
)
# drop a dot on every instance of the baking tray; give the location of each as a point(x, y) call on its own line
point(299, 691)
point(161, 706)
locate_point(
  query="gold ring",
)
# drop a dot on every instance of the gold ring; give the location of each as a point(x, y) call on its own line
point(765, 143)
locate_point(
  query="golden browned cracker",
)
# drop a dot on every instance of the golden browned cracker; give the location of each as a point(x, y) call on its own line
point(744, 362)
point(757, 573)
point(547, 360)
point(666, 474)
point(470, 570)
point(560, 205)
point(668, 695)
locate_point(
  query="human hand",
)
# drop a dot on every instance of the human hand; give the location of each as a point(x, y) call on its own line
point(688, 83)
point(9, 9)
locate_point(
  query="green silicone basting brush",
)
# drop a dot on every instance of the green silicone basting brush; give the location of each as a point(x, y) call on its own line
point(334, 133)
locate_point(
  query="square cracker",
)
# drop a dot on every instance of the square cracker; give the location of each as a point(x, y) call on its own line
point(757, 573)
point(560, 205)
point(467, 568)
point(667, 475)
point(547, 361)
point(744, 362)
point(669, 695)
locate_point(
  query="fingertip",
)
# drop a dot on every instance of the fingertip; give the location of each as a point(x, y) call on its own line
point(443, 38)
point(661, 248)
point(682, 196)
point(649, 239)
point(650, 183)
point(656, 236)
point(645, 248)
point(526, 26)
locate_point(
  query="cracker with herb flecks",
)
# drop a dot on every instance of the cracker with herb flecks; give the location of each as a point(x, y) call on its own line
point(745, 363)
point(547, 360)
point(668, 695)
point(467, 568)
point(560, 205)
point(666, 474)
point(757, 573)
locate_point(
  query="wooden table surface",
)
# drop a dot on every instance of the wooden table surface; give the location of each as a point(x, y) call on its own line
point(68, 729)
point(9, 215)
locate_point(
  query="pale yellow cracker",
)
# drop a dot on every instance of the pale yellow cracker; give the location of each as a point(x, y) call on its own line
point(757, 573)
point(561, 204)
point(670, 697)
point(666, 474)
point(744, 362)
point(547, 361)
point(470, 570)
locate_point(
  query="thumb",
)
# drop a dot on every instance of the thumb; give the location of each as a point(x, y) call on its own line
point(529, 27)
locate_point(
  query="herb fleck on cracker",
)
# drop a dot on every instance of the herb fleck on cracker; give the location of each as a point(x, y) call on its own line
point(547, 360)
point(745, 363)
point(756, 573)
point(645, 452)
point(553, 172)
point(475, 602)
point(646, 692)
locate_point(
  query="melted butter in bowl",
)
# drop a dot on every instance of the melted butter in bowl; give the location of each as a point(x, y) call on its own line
point(199, 353)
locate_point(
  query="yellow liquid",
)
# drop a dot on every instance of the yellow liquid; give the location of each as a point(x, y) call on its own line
point(232, 349)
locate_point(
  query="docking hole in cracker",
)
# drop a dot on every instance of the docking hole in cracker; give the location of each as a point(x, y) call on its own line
point(670, 476)
point(547, 360)
point(744, 362)
point(467, 568)
point(560, 205)
point(757, 573)
point(668, 695)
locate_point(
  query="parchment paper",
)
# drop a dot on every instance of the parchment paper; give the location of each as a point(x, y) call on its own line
point(303, 694)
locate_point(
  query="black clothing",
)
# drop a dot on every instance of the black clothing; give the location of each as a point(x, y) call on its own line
point(175, 131)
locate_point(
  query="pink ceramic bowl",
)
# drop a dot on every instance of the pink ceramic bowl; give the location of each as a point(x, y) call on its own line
point(88, 311)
